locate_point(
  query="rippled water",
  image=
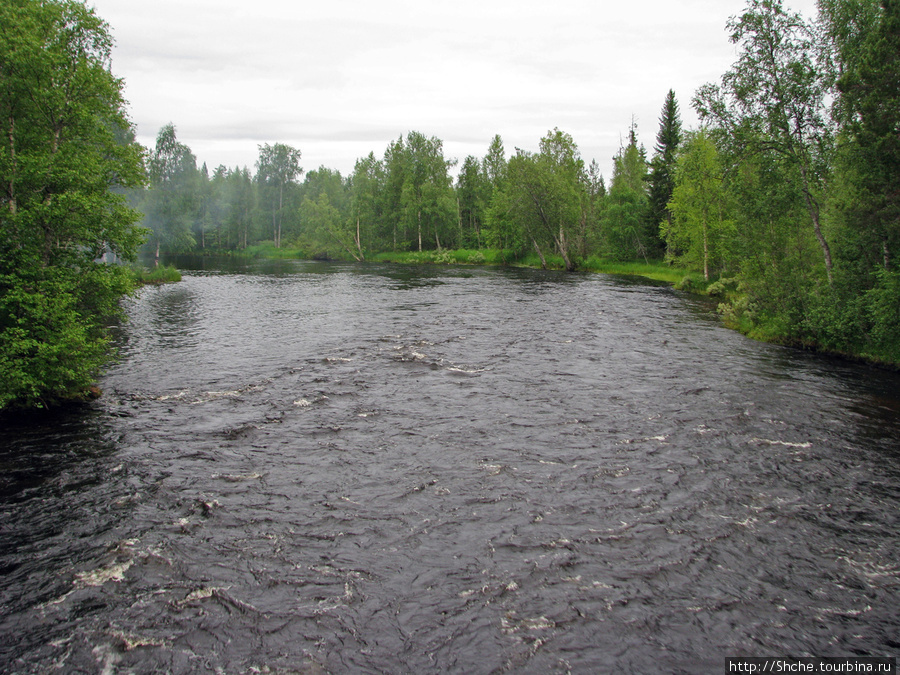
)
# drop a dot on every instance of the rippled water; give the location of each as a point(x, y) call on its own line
point(303, 467)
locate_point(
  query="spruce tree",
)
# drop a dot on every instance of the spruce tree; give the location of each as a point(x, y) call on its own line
point(662, 166)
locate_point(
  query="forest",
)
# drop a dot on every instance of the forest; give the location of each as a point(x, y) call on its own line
point(785, 201)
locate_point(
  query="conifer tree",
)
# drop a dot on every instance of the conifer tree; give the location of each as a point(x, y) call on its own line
point(662, 166)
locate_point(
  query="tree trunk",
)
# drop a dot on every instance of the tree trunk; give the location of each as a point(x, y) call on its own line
point(419, 222)
point(358, 244)
point(540, 255)
point(817, 227)
point(563, 250)
point(705, 253)
point(276, 217)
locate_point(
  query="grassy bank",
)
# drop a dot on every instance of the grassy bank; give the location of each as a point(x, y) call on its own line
point(456, 257)
point(658, 271)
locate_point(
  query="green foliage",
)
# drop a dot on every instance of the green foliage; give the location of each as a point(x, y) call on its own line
point(67, 157)
point(160, 275)
point(869, 204)
point(48, 351)
point(547, 197)
point(661, 180)
point(722, 287)
point(625, 230)
point(473, 193)
point(277, 169)
point(883, 305)
point(475, 258)
point(700, 231)
point(169, 207)
point(772, 103)
point(267, 249)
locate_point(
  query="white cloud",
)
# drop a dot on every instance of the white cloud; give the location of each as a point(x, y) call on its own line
point(341, 79)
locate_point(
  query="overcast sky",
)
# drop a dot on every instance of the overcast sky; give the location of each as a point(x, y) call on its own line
point(339, 79)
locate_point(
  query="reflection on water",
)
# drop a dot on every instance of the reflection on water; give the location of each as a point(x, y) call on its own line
point(322, 467)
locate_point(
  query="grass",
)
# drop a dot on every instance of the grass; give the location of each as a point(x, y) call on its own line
point(157, 276)
point(460, 256)
point(658, 271)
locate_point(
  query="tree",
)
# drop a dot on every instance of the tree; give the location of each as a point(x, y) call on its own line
point(494, 163)
point(366, 186)
point(171, 203)
point(662, 166)
point(278, 167)
point(426, 196)
point(325, 227)
point(66, 157)
point(625, 222)
point(500, 230)
point(596, 207)
point(696, 235)
point(547, 195)
point(772, 101)
point(473, 193)
point(870, 96)
point(393, 224)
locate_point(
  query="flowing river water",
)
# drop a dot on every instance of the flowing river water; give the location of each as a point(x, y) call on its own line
point(306, 467)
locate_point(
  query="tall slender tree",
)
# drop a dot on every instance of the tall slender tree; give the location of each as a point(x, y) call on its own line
point(426, 198)
point(697, 234)
point(278, 167)
point(625, 230)
point(473, 193)
point(662, 167)
point(170, 205)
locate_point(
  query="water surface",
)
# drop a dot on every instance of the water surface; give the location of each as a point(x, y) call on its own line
point(311, 467)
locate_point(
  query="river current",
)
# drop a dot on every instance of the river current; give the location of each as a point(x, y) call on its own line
point(304, 467)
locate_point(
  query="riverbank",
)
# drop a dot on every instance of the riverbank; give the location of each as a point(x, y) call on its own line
point(657, 271)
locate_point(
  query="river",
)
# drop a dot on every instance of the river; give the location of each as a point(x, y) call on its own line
point(332, 468)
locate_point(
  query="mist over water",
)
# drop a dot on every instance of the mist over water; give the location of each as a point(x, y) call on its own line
point(313, 467)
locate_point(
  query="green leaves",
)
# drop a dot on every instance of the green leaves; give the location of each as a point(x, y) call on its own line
point(66, 147)
point(699, 233)
point(548, 197)
point(49, 349)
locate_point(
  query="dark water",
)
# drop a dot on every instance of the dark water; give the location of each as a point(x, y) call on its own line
point(331, 468)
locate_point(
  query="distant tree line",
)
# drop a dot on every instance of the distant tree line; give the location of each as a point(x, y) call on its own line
point(546, 202)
